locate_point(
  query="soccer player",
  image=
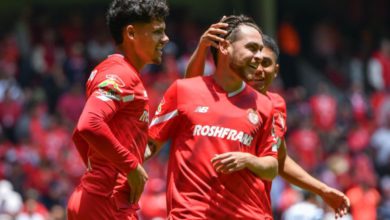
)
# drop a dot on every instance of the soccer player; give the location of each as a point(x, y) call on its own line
point(112, 131)
point(267, 71)
point(205, 116)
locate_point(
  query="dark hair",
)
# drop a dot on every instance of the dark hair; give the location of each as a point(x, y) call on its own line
point(271, 44)
point(234, 21)
point(124, 12)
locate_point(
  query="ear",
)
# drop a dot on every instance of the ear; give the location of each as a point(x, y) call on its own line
point(224, 47)
point(129, 31)
point(276, 70)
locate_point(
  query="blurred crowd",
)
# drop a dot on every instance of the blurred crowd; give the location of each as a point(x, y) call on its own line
point(337, 92)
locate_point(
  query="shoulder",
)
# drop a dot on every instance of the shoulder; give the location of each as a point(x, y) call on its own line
point(114, 69)
point(263, 103)
point(192, 84)
point(278, 101)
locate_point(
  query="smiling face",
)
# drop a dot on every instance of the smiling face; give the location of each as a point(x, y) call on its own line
point(266, 72)
point(245, 50)
point(149, 40)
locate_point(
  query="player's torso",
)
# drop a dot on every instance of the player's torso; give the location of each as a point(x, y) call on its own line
point(129, 124)
point(214, 123)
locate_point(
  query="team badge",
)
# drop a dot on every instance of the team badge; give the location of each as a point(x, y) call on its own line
point(159, 108)
point(253, 117)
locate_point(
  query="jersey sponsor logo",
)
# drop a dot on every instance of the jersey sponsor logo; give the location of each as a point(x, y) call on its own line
point(112, 84)
point(144, 117)
point(202, 109)
point(253, 117)
point(110, 89)
point(92, 75)
point(107, 95)
point(128, 98)
point(222, 132)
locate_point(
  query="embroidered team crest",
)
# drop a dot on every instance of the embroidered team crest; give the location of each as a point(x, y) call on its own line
point(159, 108)
point(253, 117)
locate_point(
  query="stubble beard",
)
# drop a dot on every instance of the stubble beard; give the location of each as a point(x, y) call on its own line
point(240, 72)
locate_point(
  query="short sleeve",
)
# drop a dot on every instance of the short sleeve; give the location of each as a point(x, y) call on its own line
point(268, 146)
point(166, 118)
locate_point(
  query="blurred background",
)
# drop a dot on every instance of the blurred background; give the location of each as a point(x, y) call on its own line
point(335, 77)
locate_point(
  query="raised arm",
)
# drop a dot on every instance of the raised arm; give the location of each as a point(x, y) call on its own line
point(296, 175)
point(198, 58)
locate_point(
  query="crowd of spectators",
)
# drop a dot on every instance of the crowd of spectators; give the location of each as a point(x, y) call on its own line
point(338, 105)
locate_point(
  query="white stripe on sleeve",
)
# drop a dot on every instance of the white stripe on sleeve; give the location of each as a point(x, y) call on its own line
point(163, 118)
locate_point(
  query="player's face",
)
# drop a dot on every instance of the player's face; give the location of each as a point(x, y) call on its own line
point(266, 72)
point(151, 39)
point(246, 52)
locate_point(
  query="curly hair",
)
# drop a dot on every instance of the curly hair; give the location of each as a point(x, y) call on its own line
point(234, 22)
point(124, 12)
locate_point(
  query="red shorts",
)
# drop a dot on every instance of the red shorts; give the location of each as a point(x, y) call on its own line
point(86, 206)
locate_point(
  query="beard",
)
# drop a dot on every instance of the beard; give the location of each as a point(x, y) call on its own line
point(242, 71)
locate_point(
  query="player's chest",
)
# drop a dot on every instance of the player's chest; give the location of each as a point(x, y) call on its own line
point(135, 106)
point(221, 119)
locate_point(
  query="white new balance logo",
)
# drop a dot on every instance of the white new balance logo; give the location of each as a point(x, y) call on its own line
point(202, 109)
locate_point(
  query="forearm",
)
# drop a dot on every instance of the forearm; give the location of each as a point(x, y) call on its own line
point(296, 175)
point(152, 148)
point(81, 146)
point(264, 167)
point(197, 62)
point(93, 128)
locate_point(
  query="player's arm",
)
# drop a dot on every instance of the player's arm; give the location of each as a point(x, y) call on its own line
point(198, 58)
point(152, 148)
point(164, 123)
point(93, 128)
point(264, 167)
point(81, 146)
point(296, 175)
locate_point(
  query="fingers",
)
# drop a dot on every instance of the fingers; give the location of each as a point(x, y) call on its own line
point(136, 180)
point(220, 157)
point(132, 193)
point(223, 17)
point(138, 192)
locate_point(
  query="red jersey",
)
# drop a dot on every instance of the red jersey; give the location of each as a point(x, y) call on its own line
point(202, 123)
point(280, 114)
point(116, 116)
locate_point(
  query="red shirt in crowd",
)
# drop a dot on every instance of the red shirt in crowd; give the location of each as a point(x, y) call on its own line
point(324, 111)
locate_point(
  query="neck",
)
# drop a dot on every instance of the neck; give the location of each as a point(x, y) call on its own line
point(131, 57)
point(227, 79)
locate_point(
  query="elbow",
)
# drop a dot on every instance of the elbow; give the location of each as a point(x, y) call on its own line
point(272, 171)
point(88, 126)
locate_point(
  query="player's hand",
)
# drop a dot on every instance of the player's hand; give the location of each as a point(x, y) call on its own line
point(337, 200)
point(212, 36)
point(230, 162)
point(137, 180)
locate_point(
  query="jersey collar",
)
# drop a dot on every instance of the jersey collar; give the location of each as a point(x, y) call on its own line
point(231, 94)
